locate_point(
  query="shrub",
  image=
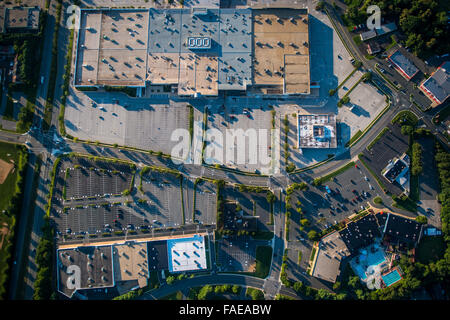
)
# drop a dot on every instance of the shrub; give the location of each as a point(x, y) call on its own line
point(422, 219)
point(313, 235)
point(378, 200)
point(290, 167)
point(170, 280)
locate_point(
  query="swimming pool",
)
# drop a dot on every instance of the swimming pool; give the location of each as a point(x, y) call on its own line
point(368, 260)
point(375, 258)
point(391, 277)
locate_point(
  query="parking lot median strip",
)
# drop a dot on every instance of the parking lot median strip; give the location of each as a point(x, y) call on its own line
point(395, 87)
point(339, 34)
point(378, 137)
point(319, 181)
point(361, 158)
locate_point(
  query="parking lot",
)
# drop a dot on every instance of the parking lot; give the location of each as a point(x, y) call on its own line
point(85, 182)
point(205, 203)
point(241, 114)
point(349, 193)
point(252, 204)
point(330, 61)
point(113, 117)
point(95, 206)
point(392, 144)
point(238, 254)
point(366, 102)
point(428, 204)
point(163, 194)
point(97, 219)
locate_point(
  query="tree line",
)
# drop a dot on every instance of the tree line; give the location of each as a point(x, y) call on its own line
point(423, 22)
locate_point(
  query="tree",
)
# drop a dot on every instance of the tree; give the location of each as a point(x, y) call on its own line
point(367, 76)
point(205, 292)
point(320, 6)
point(323, 294)
point(421, 219)
point(298, 286)
point(305, 223)
point(407, 130)
point(170, 280)
point(257, 294)
point(235, 289)
point(290, 167)
point(313, 236)
point(336, 285)
point(270, 197)
point(353, 282)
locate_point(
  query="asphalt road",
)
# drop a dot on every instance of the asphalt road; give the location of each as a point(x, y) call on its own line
point(41, 96)
point(216, 279)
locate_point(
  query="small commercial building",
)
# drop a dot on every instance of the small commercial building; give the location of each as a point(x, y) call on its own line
point(20, 19)
point(403, 65)
point(316, 131)
point(397, 172)
point(331, 250)
point(372, 34)
point(437, 86)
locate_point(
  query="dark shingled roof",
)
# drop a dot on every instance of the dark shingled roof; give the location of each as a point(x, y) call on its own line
point(402, 229)
point(360, 233)
point(439, 83)
point(404, 64)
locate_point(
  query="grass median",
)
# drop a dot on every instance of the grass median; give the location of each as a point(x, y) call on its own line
point(330, 176)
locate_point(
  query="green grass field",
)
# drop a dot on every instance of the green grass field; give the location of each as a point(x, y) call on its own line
point(8, 152)
point(430, 249)
point(263, 259)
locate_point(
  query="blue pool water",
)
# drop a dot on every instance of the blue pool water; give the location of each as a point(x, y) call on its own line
point(391, 277)
point(375, 258)
point(368, 259)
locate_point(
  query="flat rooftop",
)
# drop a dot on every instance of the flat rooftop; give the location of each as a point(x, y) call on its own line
point(316, 131)
point(26, 18)
point(130, 263)
point(199, 50)
point(112, 47)
point(406, 68)
point(281, 49)
point(187, 254)
point(166, 47)
point(331, 251)
point(360, 233)
point(401, 229)
point(94, 264)
point(437, 86)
